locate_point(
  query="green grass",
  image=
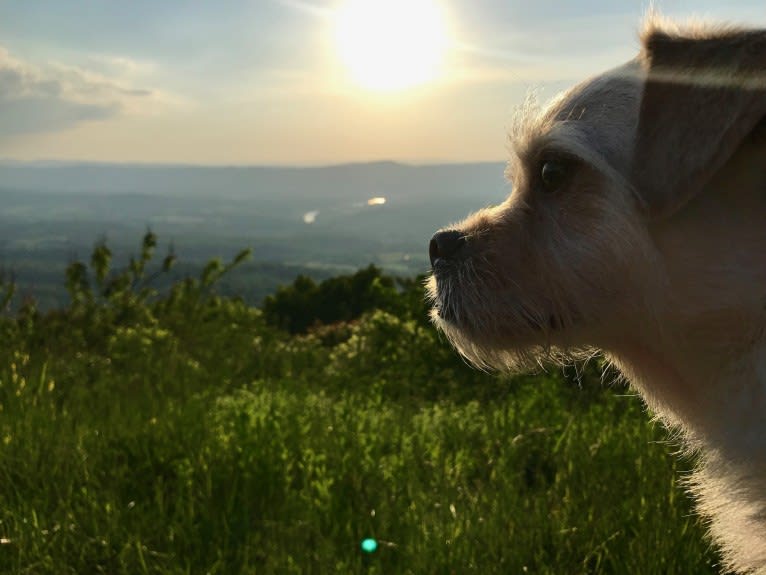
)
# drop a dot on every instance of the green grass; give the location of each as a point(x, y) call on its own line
point(187, 436)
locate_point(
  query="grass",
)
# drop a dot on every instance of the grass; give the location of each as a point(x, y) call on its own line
point(186, 436)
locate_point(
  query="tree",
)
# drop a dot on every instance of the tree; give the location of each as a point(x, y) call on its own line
point(304, 303)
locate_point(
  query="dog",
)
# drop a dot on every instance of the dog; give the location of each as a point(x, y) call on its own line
point(636, 226)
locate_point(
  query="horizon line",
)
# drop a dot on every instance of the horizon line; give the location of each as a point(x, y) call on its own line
point(54, 163)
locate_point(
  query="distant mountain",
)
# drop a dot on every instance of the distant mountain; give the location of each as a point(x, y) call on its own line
point(341, 181)
point(335, 217)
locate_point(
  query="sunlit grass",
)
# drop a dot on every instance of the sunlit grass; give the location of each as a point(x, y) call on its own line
point(184, 435)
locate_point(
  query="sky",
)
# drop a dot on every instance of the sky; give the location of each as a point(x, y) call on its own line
point(276, 82)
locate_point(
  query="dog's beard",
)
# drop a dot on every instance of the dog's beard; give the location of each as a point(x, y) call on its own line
point(489, 322)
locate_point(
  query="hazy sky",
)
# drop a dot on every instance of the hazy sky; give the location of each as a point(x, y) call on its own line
point(264, 82)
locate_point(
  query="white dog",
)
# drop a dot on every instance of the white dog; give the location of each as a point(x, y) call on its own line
point(637, 225)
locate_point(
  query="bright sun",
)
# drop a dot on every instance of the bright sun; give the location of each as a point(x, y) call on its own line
point(391, 45)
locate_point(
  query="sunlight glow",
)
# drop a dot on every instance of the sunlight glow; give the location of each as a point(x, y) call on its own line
point(391, 45)
point(310, 217)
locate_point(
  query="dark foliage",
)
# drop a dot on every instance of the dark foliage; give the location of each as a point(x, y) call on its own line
point(305, 303)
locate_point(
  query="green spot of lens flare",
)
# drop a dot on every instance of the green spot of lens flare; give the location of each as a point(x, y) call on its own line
point(369, 545)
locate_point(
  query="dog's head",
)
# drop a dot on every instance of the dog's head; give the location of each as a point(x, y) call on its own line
point(569, 259)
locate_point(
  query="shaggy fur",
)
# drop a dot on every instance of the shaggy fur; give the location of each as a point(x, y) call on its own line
point(651, 248)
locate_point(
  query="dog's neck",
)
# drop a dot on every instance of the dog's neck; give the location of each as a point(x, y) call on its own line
point(701, 358)
point(720, 410)
point(720, 405)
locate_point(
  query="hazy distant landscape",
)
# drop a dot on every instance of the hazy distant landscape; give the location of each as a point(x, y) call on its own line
point(317, 220)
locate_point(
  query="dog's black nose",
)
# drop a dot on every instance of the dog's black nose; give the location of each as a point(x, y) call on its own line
point(445, 245)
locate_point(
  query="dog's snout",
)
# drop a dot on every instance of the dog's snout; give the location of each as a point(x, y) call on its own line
point(445, 245)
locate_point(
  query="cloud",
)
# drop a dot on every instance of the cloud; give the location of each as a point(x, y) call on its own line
point(120, 67)
point(539, 52)
point(35, 115)
point(57, 97)
point(311, 8)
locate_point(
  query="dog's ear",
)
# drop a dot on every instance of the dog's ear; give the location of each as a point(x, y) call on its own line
point(704, 93)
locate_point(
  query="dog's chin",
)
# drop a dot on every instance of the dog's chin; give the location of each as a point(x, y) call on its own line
point(494, 338)
point(492, 346)
point(482, 322)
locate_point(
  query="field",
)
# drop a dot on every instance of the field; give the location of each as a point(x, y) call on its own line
point(185, 432)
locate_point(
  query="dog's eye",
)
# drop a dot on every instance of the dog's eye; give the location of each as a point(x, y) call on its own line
point(553, 173)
